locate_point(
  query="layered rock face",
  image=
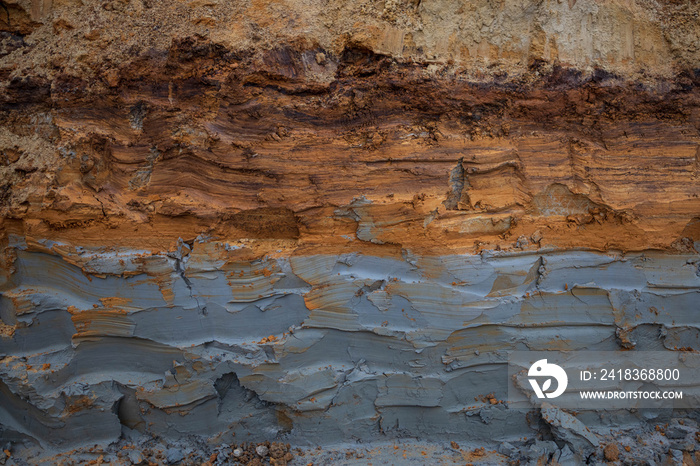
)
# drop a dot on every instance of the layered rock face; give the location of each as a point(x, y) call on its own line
point(332, 221)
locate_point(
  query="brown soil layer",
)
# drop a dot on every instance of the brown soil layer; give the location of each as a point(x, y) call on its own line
point(314, 149)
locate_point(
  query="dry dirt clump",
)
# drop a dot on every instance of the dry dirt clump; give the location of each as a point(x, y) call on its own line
point(611, 452)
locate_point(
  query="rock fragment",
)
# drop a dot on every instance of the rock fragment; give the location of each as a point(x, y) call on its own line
point(135, 457)
point(174, 455)
point(676, 433)
point(507, 449)
point(536, 237)
point(570, 430)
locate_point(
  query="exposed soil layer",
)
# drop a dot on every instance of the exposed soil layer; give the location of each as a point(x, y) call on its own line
point(198, 139)
point(322, 222)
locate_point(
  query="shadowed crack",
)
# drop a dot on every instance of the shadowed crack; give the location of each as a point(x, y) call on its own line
point(180, 268)
point(458, 198)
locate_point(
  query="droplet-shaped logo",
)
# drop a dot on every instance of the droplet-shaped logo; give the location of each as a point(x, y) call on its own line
point(543, 369)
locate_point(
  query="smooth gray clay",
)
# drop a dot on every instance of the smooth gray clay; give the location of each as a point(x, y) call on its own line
point(316, 348)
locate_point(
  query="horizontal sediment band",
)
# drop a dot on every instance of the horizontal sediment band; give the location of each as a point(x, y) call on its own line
point(198, 139)
point(210, 339)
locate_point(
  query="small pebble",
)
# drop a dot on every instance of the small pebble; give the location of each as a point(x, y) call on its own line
point(262, 450)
